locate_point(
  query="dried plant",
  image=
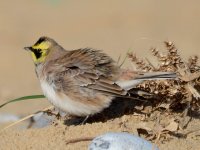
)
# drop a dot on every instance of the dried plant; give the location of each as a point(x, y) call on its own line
point(140, 63)
point(174, 95)
point(178, 99)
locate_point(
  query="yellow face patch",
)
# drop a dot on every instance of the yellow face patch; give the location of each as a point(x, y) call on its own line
point(43, 46)
point(39, 51)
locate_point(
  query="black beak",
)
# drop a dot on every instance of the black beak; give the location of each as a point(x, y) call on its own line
point(28, 48)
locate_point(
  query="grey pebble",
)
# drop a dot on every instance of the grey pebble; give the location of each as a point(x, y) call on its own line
point(120, 141)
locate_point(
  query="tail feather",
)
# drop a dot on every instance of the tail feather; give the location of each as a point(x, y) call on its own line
point(157, 75)
point(129, 84)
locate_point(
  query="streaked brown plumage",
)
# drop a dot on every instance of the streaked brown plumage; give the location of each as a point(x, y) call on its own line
point(82, 82)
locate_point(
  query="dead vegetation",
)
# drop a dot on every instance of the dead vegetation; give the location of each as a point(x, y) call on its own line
point(175, 102)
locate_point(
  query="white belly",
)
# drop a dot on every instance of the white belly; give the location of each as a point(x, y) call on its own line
point(66, 104)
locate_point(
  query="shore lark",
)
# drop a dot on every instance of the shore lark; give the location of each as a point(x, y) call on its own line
point(82, 82)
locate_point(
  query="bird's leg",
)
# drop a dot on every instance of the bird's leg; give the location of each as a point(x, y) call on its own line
point(84, 121)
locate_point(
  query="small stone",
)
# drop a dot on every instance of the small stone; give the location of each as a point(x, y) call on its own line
point(120, 141)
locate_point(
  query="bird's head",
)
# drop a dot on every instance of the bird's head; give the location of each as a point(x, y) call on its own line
point(41, 49)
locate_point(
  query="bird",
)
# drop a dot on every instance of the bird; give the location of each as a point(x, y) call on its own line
point(83, 82)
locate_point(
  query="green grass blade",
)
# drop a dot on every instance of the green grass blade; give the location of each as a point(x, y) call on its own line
point(22, 99)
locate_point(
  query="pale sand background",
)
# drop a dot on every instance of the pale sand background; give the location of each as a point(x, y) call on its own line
point(112, 25)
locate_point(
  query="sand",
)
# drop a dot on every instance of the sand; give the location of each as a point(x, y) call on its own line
point(57, 136)
point(114, 26)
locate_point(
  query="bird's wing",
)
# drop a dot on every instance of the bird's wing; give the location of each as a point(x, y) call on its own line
point(87, 69)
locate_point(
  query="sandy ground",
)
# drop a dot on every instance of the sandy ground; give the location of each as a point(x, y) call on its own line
point(115, 26)
point(57, 136)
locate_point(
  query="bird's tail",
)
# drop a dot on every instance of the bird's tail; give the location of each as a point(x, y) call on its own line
point(156, 75)
point(129, 84)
